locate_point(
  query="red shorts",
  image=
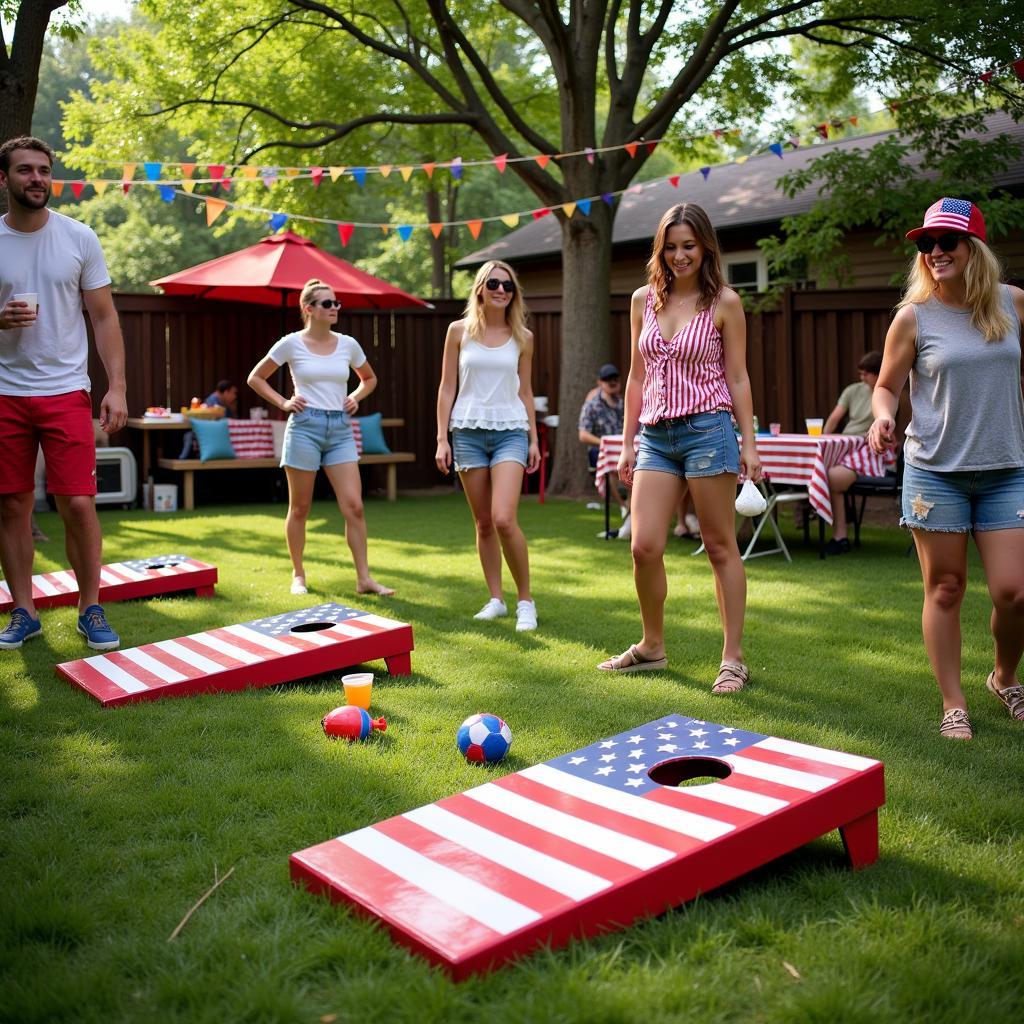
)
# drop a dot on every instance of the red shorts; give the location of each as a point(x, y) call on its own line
point(62, 425)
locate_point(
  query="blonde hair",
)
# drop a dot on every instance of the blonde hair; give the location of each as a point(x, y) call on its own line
point(982, 277)
point(515, 311)
point(309, 289)
point(711, 278)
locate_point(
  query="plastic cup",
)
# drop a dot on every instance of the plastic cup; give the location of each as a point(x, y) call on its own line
point(775, 429)
point(29, 297)
point(814, 426)
point(357, 689)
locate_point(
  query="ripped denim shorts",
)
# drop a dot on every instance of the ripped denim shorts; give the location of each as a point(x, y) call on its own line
point(703, 444)
point(988, 499)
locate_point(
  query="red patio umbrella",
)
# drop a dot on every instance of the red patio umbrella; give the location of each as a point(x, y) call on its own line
point(273, 271)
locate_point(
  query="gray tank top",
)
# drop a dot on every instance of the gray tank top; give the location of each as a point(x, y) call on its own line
point(965, 393)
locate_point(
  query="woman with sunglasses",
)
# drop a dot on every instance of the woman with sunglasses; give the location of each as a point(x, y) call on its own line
point(489, 355)
point(956, 334)
point(319, 430)
point(687, 379)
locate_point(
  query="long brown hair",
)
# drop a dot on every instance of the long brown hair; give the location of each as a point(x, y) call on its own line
point(711, 277)
point(515, 311)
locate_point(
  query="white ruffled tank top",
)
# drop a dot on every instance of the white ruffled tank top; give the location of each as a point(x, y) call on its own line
point(489, 388)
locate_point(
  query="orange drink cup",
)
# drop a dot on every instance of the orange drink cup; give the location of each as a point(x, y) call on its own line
point(357, 689)
point(814, 426)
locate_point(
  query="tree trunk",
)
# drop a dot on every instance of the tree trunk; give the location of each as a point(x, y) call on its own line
point(586, 328)
point(440, 282)
point(19, 72)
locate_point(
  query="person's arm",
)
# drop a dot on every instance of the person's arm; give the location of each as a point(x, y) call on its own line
point(259, 382)
point(446, 393)
point(526, 395)
point(634, 392)
point(106, 330)
point(367, 385)
point(734, 346)
point(587, 436)
point(835, 417)
point(897, 358)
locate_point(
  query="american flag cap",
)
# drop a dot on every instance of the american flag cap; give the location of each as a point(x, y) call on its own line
point(952, 215)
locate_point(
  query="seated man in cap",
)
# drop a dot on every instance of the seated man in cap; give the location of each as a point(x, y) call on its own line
point(602, 414)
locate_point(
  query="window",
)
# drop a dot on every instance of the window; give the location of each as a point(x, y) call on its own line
point(746, 271)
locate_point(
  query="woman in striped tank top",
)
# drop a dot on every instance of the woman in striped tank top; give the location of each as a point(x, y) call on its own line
point(687, 377)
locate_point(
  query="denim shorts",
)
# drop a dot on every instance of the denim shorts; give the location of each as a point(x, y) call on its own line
point(318, 437)
point(476, 448)
point(990, 499)
point(703, 444)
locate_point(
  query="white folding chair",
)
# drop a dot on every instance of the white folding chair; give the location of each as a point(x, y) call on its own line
point(774, 498)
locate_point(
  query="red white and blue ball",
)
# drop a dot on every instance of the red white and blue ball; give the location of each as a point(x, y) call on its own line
point(484, 739)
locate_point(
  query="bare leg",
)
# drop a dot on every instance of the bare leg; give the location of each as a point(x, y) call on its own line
point(16, 548)
point(300, 497)
point(84, 544)
point(506, 483)
point(477, 485)
point(715, 500)
point(840, 480)
point(943, 559)
point(348, 489)
point(1002, 554)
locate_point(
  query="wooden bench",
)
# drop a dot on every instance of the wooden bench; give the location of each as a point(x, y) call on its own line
point(189, 467)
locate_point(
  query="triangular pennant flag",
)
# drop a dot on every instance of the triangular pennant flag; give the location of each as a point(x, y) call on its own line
point(187, 170)
point(384, 229)
point(269, 176)
point(794, 141)
point(718, 133)
point(216, 171)
point(214, 208)
point(987, 77)
point(125, 186)
point(1018, 68)
point(736, 132)
point(455, 167)
point(822, 130)
point(584, 207)
point(129, 172)
point(501, 161)
point(853, 120)
point(674, 181)
point(742, 159)
point(404, 231)
point(77, 188)
point(385, 169)
point(510, 220)
point(893, 106)
point(252, 173)
point(101, 186)
point(776, 148)
point(436, 229)
point(651, 147)
point(608, 198)
point(474, 227)
point(335, 172)
point(542, 159)
point(292, 172)
point(167, 193)
point(568, 209)
point(152, 171)
point(405, 172)
point(345, 232)
point(705, 171)
point(631, 148)
point(543, 212)
point(188, 186)
point(590, 155)
point(57, 187)
point(317, 174)
point(359, 173)
point(278, 221)
point(428, 170)
point(225, 183)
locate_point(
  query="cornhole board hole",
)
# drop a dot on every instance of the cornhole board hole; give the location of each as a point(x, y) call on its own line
point(121, 581)
point(280, 649)
point(594, 840)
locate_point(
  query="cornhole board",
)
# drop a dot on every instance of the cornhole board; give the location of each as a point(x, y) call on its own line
point(280, 649)
point(592, 841)
point(121, 581)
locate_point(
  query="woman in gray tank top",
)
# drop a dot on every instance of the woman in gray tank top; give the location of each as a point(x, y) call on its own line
point(957, 335)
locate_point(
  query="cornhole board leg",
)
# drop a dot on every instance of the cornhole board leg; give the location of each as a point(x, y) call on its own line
point(860, 840)
point(399, 664)
point(204, 592)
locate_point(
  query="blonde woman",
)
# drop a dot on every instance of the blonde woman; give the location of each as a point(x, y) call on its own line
point(957, 336)
point(488, 356)
point(319, 430)
point(687, 379)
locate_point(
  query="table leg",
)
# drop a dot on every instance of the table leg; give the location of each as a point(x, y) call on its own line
point(190, 493)
point(145, 456)
point(392, 482)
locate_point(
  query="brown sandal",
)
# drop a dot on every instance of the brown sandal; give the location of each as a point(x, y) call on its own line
point(732, 676)
point(1012, 697)
point(956, 725)
point(631, 660)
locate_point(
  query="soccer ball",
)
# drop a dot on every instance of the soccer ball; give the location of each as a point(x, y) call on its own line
point(483, 739)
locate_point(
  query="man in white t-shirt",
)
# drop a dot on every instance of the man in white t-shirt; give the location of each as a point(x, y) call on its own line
point(49, 266)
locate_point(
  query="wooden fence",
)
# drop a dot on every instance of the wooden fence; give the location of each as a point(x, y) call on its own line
point(800, 355)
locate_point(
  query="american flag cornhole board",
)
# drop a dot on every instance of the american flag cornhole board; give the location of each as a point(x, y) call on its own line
point(592, 841)
point(279, 649)
point(122, 581)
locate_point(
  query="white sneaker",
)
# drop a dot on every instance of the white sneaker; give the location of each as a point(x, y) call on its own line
point(494, 609)
point(623, 512)
point(299, 585)
point(526, 616)
point(625, 531)
point(692, 523)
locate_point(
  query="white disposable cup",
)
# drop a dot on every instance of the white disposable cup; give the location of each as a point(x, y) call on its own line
point(358, 686)
point(30, 297)
point(814, 425)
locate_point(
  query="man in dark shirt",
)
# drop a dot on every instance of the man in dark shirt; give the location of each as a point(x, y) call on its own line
point(602, 414)
point(226, 394)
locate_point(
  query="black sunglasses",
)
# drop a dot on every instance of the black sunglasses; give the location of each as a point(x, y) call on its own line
point(493, 284)
point(326, 303)
point(947, 242)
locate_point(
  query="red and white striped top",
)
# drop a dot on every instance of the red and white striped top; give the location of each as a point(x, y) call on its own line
point(686, 373)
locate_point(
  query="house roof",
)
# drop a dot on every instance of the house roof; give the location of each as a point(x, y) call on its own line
point(733, 195)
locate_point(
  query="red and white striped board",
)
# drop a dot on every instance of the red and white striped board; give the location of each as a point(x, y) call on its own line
point(295, 645)
point(121, 581)
point(592, 841)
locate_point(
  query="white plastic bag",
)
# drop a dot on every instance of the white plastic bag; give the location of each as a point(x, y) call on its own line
point(750, 501)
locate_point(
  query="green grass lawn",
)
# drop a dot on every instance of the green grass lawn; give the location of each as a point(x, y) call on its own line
point(116, 821)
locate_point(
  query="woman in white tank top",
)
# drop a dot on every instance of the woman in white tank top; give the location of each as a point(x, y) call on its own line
point(488, 357)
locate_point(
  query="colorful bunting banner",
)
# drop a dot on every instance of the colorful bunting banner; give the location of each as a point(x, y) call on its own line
point(214, 208)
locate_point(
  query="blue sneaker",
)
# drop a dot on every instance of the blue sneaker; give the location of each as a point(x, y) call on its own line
point(22, 627)
point(93, 625)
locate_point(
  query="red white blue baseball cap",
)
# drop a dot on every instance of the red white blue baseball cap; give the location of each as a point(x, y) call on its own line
point(952, 215)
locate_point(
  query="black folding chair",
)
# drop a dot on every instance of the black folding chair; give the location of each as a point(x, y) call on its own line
point(864, 487)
